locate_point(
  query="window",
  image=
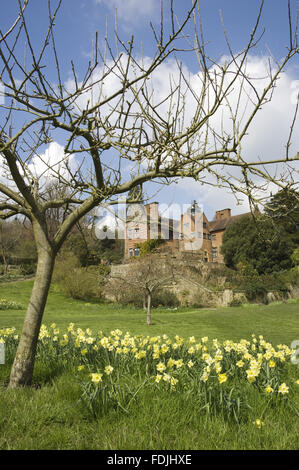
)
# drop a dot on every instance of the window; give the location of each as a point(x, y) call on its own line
point(186, 226)
point(214, 252)
point(199, 234)
point(204, 235)
point(130, 234)
point(192, 235)
point(136, 232)
point(213, 236)
point(136, 251)
point(209, 236)
point(130, 252)
point(204, 224)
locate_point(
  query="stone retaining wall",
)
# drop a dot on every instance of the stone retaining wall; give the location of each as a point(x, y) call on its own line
point(190, 292)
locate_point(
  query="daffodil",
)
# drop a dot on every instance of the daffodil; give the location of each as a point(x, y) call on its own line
point(96, 377)
point(222, 378)
point(166, 377)
point(251, 376)
point(283, 389)
point(108, 370)
point(140, 354)
point(179, 363)
point(204, 377)
point(158, 378)
point(90, 340)
point(164, 349)
point(258, 423)
point(173, 381)
point(170, 362)
point(160, 367)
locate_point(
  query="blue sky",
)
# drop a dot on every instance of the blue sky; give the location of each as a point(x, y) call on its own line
point(78, 20)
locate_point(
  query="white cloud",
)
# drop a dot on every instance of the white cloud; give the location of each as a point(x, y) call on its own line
point(267, 134)
point(131, 11)
point(266, 138)
point(51, 164)
point(47, 167)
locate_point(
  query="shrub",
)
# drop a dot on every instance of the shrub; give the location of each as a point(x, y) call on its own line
point(150, 245)
point(236, 302)
point(165, 298)
point(28, 268)
point(9, 305)
point(125, 294)
point(254, 288)
point(81, 283)
point(64, 265)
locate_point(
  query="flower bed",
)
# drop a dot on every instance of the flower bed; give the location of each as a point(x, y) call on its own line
point(220, 377)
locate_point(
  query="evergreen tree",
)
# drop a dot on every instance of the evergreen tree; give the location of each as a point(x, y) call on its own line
point(259, 242)
point(283, 208)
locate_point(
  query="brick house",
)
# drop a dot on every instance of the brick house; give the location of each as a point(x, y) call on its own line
point(217, 227)
point(194, 233)
point(144, 223)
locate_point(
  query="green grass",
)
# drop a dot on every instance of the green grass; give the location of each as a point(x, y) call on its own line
point(277, 322)
point(52, 417)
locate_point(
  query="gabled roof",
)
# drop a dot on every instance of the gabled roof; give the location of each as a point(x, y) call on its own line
point(221, 224)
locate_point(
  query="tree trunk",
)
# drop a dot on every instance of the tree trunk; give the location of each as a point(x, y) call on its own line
point(22, 369)
point(148, 317)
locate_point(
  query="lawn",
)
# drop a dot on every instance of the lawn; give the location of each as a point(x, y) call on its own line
point(278, 322)
point(52, 416)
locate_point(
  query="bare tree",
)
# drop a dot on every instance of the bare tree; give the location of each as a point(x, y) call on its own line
point(148, 275)
point(105, 129)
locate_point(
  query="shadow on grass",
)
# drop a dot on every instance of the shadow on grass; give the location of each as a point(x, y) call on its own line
point(43, 374)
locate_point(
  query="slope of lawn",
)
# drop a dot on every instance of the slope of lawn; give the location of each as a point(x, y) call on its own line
point(277, 322)
point(52, 415)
